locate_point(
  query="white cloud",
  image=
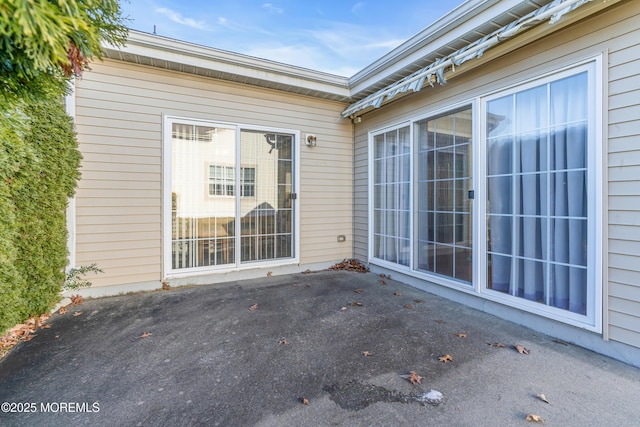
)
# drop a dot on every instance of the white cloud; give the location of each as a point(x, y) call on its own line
point(178, 18)
point(352, 42)
point(306, 56)
point(272, 9)
point(357, 7)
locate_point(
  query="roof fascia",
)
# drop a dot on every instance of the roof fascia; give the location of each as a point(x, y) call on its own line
point(449, 28)
point(251, 69)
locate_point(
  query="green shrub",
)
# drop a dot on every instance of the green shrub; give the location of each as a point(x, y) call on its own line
point(39, 169)
point(13, 156)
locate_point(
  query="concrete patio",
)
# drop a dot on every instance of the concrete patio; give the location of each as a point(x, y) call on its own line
point(320, 349)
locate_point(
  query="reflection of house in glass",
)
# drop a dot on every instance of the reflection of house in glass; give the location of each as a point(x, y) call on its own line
point(209, 191)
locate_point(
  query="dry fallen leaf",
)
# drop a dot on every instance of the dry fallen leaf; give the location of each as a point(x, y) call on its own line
point(165, 286)
point(358, 291)
point(76, 299)
point(63, 310)
point(398, 294)
point(366, 353)
point(439, 321)
point(389, 276)
point(253, 307)
point(413, 377)
point(521, 349)
point(356, 304)
point(382, 282)
point(307, 271)
point(497, 344)
point(446, 358)
point(408, 306)
point(77, 313)
point(268, 274)
point(145, 335)
point(382, 275)
point(535, 418)
point(418, 301)
point(461, 335)
point(304, 401)
point(542, 397)
point(343, 308)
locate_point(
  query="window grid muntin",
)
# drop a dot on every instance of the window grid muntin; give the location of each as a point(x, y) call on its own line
point(392, 196)
point(516, 287)
point(445, 174)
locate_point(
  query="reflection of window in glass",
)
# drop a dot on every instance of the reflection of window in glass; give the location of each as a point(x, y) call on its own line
point(247, 182)
point(222, 181)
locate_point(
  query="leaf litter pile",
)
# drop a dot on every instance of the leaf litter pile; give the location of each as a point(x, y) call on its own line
point(22, 332)
point(350, 265)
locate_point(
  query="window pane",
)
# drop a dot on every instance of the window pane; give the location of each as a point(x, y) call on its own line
point(531, 110)
point(446, 157)
point(537, 193)
point(444, 260)
point(499, 156)
point(499, 234)
point(531, 152)
point(392, 198)
point(500, 117)
point(499, 273)
point(267, 183)
point(201, 221)
point(500, 195)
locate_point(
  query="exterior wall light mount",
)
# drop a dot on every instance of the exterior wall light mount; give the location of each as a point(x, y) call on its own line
point(310, 140)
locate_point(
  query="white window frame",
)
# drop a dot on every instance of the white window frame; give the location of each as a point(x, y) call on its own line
point(167, 271)
point(595, 170)
point(593, 319)
point(371, 208)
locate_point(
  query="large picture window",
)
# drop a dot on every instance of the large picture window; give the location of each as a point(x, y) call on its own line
point(538, 206)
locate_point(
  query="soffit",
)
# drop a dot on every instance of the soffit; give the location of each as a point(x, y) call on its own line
point(162, 52)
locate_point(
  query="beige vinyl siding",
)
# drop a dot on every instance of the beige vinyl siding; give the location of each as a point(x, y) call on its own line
point(361, 192)
point(119, 113)
point(624, 179)
point(614, 32)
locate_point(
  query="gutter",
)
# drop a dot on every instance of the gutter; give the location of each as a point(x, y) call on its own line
point(435, 72)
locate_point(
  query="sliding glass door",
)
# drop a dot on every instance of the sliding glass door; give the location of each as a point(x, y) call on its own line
point(267, 215)
point(445, 216)
point(227, 182)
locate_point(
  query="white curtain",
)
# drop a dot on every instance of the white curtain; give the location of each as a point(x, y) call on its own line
point(392, 196)
point(537, 181)
point(568, 103)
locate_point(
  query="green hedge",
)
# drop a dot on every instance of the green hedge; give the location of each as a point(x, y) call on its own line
point(39, 170)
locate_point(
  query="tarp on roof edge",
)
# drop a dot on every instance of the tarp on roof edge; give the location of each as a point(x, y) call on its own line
point(435, 71)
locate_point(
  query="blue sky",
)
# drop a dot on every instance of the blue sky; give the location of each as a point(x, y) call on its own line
point(338, 37)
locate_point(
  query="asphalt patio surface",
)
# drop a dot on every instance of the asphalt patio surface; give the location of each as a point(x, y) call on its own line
point(328, 348)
